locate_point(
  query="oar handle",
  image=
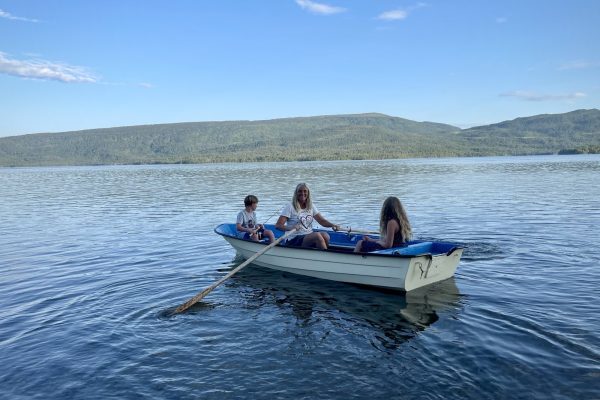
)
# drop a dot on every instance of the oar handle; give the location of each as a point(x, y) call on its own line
point(209, 289)
point(351, 231)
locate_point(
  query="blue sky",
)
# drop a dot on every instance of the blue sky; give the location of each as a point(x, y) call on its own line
point(70, 65)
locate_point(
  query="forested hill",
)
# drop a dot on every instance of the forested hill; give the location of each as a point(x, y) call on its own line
point(359, 136)
point(572, 132)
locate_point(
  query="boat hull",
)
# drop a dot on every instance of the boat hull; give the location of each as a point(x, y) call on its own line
point(387, 270)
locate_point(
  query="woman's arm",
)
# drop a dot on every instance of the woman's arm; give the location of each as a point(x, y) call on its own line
point(281, 223)
point(321, 220)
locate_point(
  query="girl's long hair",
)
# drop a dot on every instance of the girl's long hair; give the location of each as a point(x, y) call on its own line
point(295, 202)
point(392, 209)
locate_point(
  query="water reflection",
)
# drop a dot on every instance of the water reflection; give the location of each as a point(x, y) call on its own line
point(386, 318)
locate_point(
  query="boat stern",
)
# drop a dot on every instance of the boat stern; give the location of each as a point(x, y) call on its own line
point(430, 268)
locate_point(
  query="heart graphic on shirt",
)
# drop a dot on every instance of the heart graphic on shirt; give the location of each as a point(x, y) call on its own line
point(306, 220)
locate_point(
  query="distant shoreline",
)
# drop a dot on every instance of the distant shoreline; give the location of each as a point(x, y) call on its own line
point(323, 138)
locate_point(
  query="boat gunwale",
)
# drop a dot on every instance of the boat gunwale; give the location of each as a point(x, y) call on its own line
point(332, 249)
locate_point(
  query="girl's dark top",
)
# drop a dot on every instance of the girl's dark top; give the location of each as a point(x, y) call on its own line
point(397, 236)
point(367, 247)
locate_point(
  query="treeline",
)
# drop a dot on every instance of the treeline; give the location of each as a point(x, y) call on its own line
point(582, 150)
point(342, 137)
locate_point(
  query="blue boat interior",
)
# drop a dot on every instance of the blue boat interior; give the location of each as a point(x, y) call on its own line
point(345, 242)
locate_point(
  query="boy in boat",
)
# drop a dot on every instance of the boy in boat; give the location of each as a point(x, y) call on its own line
point(247, 223)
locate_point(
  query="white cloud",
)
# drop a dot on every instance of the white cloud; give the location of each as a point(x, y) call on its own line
point(532, 96)
point(393, 15)
point(4, 14)
point(319, 8)
point(399, 13)
point(46, 70)
point(579, 64)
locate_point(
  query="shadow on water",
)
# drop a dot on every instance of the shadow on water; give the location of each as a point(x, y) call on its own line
point(390, 317)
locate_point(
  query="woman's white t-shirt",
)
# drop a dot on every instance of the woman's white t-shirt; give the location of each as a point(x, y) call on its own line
point(304, 217)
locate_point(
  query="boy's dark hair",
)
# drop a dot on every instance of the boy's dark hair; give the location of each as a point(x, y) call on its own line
point(250, 199)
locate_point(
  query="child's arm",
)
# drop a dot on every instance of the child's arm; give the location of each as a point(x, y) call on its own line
point(240, 228)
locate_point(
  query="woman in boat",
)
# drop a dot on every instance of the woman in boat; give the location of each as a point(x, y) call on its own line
point(393, 227)
point(299, 215)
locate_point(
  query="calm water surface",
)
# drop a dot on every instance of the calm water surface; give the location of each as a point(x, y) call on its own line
point(93, 259)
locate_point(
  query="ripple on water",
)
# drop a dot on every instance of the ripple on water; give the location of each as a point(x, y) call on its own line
point(94, 259)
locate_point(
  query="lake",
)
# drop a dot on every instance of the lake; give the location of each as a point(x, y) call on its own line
point(93, 259)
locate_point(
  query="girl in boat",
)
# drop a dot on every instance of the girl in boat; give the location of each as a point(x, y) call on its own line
point(299, 215)
point(393, 227)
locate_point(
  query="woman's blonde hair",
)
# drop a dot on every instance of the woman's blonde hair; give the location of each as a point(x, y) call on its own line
point(392, 209)
point(295, 202)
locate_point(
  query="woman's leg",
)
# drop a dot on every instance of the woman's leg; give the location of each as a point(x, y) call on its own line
point(315, 239)
point(358, 247)
point(325, 236)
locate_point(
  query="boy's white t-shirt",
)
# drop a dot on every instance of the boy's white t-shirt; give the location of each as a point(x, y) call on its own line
point(246, 219)
point(304, 217)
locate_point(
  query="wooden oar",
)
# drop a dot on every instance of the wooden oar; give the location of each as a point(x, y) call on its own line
point(358, 231)
point(209, 289)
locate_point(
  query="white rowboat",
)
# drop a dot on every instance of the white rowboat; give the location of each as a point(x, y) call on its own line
point(416, 264)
